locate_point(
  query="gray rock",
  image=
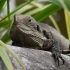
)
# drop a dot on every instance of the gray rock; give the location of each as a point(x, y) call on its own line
point(33, 59)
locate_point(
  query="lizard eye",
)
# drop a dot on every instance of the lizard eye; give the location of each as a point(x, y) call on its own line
point(29, 20)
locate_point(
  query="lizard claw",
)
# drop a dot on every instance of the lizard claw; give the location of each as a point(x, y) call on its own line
point(56, 53)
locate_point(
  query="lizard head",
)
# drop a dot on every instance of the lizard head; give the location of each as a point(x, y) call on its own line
point(25, 19)
point(24, 29)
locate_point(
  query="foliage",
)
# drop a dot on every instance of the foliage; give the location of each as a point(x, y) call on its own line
point(40, 12)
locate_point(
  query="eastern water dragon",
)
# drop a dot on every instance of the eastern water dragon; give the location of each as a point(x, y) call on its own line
point(27, 32)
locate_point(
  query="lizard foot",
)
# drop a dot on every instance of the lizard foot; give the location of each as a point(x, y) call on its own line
point(56, 53)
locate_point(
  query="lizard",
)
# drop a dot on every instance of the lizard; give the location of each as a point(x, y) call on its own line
point(26, 31)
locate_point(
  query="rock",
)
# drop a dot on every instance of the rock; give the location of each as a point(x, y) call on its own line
point(33, 59)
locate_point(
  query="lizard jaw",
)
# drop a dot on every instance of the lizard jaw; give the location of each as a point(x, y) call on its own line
point(32, 34)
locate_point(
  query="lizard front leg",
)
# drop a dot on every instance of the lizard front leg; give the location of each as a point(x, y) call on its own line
point(56, 53)
point(53, 46)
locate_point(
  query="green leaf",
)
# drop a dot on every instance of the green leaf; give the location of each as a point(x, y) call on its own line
point(17, 10)
point(53, 1)
point(31, 12)
point(67, 18)
point(46, 12)
point(6, 37)
point(2, 4)
point(4, 23)
point(8, 13)
point(5, 59)
point(62, 3)
point(13, 53)
point(65, 4)
point(54, 23)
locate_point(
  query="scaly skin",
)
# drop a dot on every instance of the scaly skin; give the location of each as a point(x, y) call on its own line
point(23, 34)
point(26, 32)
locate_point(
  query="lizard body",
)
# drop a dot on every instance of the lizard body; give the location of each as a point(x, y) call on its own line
point(26, 32)
point(20, 19)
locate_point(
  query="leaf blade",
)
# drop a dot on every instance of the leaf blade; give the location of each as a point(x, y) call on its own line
point(6, 59)
point(43, 14)
point(2, 4)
